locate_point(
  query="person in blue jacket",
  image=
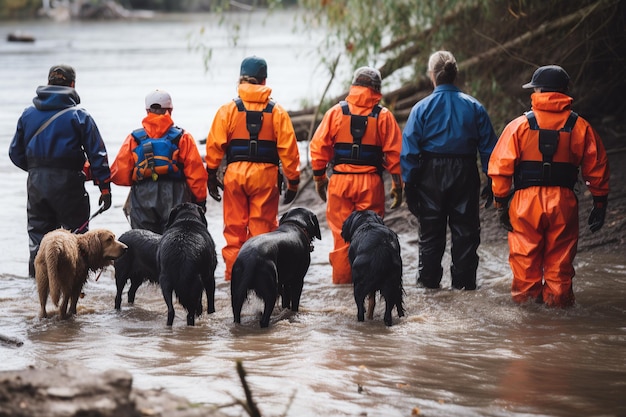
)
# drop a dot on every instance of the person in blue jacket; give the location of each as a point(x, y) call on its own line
point(443, 135)
point(60, 146)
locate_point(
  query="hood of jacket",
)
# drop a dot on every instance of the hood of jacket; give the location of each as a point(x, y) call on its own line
point(156, 125)
point(551, 102)
point(365, 97)
point(51, 97)
point(254, 93)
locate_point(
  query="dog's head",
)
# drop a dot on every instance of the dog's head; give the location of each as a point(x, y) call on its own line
point(186, 211)
point(355, 220)
point(100, 247)
point(304, 218)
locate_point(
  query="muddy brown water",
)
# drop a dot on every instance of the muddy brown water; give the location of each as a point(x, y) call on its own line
point(454, 354)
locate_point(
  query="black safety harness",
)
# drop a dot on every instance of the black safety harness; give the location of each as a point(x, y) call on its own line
point(253, 149)
point(357, 153)
point(546, 172)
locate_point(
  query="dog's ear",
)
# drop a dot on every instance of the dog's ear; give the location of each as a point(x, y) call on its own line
point(316, 226)
point(173, 213)
point(346, 228)
point(201, 215)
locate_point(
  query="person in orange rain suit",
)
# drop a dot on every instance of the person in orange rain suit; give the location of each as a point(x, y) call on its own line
point(360, 139)
point(540, 154)
point(256, 135)
point(162, 164)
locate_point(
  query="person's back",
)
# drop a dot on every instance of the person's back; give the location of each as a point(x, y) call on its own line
point(162, 164)
point(255, 135)
point(441, 139)
point(59, 143)
point(539, 154)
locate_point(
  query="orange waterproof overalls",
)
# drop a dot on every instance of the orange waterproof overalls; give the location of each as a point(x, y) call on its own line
point(354, 185)
point(544, 208)
point(251, 183)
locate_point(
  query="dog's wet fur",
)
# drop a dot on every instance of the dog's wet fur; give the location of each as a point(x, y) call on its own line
point(63, 263)
point(138, 264)
point(376, 263)
point(275, 263)
point(187, 259)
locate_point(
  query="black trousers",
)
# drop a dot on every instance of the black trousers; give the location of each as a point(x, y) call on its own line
point(56, 198)
point(446, 194)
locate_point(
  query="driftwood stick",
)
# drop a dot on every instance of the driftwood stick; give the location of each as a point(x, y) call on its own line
point(7, 340)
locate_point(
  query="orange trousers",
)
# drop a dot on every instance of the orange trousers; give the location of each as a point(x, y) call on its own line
point(347, 193)
point(250, 204)
point(543, 245)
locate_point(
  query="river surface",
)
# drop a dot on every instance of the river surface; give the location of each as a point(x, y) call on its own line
point(454, 354)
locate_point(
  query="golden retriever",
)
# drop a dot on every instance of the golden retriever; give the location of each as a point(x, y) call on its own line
point(63, 263)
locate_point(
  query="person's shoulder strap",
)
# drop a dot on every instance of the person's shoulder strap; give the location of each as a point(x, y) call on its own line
point(51, 119)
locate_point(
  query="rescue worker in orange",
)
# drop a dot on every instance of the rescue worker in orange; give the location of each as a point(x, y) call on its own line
point(255, 134)
point(359, 138)
point(162, 164)
point(537, 160)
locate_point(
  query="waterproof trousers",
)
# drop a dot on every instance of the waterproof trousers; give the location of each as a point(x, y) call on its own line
point(448, 191)
point(543, 245)
point(56, 198)
point(348, 193)
point(250, 203)
point(152, 201)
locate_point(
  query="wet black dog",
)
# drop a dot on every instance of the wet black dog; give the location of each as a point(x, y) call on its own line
point(275, 263)
point(374, 255)
point(138, 264)
point(187, 259)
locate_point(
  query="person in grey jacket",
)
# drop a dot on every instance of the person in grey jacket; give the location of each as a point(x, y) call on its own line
point(59, 145)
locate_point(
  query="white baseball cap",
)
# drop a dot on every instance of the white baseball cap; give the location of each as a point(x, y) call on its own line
point(159, 99)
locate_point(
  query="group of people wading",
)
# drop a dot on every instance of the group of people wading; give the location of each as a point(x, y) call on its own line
point(531, 170)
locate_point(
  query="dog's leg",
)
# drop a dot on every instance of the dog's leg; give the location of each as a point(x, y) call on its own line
point(191, 318)
point(209, 288)
point(388, 309)
point(63, 307)
point(44, 290)
point(167, 296)
point(360, 306)
point(270, 302)
point(135, 283)
point(371, 303)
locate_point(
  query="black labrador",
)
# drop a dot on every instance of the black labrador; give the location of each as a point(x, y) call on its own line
point(187, 259)
point(138, 264)
point(275, 263)
point(374, 256)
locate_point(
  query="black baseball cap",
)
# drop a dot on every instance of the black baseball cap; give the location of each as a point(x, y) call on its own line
point(549, 78)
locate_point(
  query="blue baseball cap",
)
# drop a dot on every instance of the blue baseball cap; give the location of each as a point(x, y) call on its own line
point(253, 66)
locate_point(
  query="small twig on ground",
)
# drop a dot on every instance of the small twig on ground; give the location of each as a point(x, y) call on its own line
point(250, 405)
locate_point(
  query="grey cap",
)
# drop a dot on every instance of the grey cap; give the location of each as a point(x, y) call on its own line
point(61, 75)
point(367, 77)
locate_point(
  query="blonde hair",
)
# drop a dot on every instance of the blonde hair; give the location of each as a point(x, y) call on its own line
point(442, 65)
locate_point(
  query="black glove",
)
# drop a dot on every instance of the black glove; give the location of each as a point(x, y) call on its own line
point(213, 183)
point(502, 206)
point(105, 200)
point(487, 193)
point(410, 190)
point(598, 212)
point(292, 191)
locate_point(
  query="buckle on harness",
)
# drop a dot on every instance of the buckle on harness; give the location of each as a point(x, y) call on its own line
point(253, 149)
point(148, 152)
point(355, 151)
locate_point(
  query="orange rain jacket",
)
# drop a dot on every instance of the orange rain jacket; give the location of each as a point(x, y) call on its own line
point(250, 188)
point(348, 192)
point(542, 245)
point(156, 125)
